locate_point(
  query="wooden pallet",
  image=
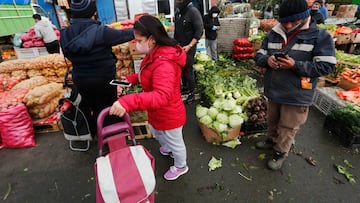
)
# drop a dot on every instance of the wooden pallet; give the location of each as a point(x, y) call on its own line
point(48, 124)
point(142, 130)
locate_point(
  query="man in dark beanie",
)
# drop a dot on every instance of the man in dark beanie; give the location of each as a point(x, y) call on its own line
point(293, 55)
point(88, 45)
point(188, 31)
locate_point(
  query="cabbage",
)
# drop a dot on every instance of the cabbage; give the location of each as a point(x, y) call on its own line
point(235, 121)
point(218, 103)
point(236, 110)
point(212, 112)
point(214, 163)
point(199, 67)
point(236, 94)
point(220, 127)
point(222, 118)
point(202, 57)
point(229, 104)
point(201, 111)
point(206, 120)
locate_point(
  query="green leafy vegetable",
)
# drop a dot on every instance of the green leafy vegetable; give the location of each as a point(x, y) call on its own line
point(214, 163)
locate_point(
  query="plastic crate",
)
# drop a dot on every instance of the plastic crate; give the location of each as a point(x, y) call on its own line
point(29, 53)
point(325, 99)
point(250, 128)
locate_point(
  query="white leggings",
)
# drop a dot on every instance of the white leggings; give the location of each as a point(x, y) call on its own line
point(172, 141)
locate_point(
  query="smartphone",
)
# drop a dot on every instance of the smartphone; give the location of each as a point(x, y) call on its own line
point(120, 83)
point(279, 55)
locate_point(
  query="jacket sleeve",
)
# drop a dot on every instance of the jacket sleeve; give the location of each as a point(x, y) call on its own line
point(133, 78)
point(197, 22)
point(37, 32)
point(324, 59)
point(163, 86)
point(114, 36)
point(261, 56)
point(207, 23)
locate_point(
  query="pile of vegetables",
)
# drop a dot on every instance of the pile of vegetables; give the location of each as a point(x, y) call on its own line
point(258, 37)
point(227, 91)
point(348, 116)
point(351, 75)
point(256, 109)
point(352, 95)
point(242, 49)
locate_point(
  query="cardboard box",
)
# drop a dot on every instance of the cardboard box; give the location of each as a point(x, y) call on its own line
point(346, 11)
point(347, 85)
point(355, 37)
point(212, 136)
point(330, 7)
point(342, 39)
point(132, 48)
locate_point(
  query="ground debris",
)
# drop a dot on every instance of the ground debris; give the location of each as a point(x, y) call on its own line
point(7, 192)
point(311, 161)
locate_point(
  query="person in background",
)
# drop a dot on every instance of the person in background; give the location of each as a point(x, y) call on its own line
point(268, 14)
point(323, 10)
point(211, 26)
point(316, 14)
point(88, 45)
point(44, 30)
point(188, 31)
point(294, 54)
point(159, 76)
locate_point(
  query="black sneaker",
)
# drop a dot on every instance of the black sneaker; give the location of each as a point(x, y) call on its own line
point(190, 98)
point(266, 144)
point(277, 161)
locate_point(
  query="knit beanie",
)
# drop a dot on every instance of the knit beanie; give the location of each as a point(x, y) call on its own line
point(293, 10)
point(82, 8)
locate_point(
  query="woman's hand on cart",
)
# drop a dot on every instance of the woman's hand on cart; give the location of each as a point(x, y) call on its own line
point(117, 109)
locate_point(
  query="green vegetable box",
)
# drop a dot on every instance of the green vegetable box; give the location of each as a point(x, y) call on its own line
point(213, 136)
point(345, 123)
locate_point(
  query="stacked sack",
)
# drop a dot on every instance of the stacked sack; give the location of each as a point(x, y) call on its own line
point(124, 65)
point(51, 66)
point(242, 49)
point(43, 97)
point(29, 39)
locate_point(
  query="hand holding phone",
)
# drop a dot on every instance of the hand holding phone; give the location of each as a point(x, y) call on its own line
point(120, 83)
point(279, 55)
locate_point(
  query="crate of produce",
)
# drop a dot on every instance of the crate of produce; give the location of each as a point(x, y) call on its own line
point(251, 128)
point(347, 136)
point(142, 130)
point(29, 53)
point(325, 99)
point(212, 136)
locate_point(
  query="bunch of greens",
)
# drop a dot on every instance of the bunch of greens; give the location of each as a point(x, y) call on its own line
point(349, 116)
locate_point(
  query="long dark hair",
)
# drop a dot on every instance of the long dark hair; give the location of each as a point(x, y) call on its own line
point(148, 25)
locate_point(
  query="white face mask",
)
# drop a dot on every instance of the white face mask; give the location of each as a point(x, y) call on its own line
point(143, 47)
point(214, 15)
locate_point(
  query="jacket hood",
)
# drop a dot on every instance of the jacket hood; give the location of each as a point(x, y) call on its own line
point(44, 23)
point(84, 41)
point(214, 9)
point(175, 54)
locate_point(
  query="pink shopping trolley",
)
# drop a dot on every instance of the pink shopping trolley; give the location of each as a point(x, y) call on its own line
point(126, 172)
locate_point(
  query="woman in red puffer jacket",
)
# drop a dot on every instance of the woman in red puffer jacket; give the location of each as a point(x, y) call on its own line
point(159, 76)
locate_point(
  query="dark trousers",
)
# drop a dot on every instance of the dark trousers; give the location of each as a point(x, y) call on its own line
point(187, 74)
point(97, 94)
point(53, 47)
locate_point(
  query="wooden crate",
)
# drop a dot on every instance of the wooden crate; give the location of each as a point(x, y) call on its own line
point(142, 130)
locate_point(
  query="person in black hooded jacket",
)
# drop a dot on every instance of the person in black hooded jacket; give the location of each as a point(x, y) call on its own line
point(211, 26)
point(88, 45)
point(188, 31)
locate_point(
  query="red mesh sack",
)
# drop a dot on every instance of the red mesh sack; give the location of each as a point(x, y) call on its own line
point(16, 128)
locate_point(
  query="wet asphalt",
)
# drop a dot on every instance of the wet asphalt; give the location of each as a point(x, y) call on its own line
point(51, 172)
